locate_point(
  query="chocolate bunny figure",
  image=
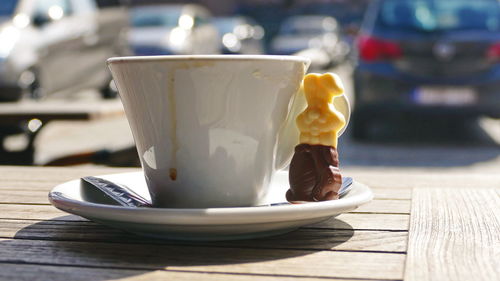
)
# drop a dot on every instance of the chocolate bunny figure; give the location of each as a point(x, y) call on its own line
point(314, 174)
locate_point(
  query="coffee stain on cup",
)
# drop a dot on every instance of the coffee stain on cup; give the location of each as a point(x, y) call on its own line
point(173, 122)
point(173, 174)
point(173, 109)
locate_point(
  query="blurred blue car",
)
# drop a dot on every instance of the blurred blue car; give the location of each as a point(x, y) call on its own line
point(427, 58)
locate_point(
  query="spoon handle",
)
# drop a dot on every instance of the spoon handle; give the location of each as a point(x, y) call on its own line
point(118, 193)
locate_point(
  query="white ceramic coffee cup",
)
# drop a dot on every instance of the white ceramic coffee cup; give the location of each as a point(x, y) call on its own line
point(211, 130)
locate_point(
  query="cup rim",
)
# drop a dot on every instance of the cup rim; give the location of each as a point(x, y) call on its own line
point(113, 60)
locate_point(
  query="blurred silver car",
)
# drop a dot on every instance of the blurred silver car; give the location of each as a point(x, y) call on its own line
point(173, 29)
point(49, 46)
point(315, 36)
point(240, 35)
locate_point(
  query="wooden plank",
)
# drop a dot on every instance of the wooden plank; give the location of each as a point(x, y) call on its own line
point(310, 263)
point(389, 193)
point(385, 206)
point(40, 197)
point(24, 196)
point(375, 178)
point(29, 272)
point(37, 212)
point(367, 221)
point(47, 183)
point(335, 239)
point(45, 186)
point(319, 239)
point(454, 235)
point(384, 177)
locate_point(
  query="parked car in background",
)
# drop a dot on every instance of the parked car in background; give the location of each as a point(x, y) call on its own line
point(349, 13)
point(268, 13)
point(173, 30)
point(427, 58)
point(49, 46)
point(240, 35)
point(317, 37)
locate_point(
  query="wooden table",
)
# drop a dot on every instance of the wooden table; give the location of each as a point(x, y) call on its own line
point(29, 117)
point(421, 226)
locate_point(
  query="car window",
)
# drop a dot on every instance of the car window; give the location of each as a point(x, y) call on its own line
point(54, 9)
point(83, 6)
point(345, 12)
point(226, 25)
point(7, 7)
point(429, 16)
point(152, 18)
point(201, 19)
point(308, 26)
point(109, 3)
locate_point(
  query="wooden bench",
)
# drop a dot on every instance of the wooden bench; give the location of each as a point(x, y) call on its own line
point(29, 117)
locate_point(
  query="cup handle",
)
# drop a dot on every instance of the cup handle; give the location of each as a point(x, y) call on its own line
point(289, 133)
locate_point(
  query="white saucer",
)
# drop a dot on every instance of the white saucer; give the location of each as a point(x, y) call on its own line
point(205, 224)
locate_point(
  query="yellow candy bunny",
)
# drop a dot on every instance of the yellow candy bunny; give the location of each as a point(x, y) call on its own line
point(320, 122)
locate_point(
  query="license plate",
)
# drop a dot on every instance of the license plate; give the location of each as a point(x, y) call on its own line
point(450, 96)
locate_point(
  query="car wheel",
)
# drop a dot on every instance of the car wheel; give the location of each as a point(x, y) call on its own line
point(30, 82)
point(110, 91)
point(10, 96)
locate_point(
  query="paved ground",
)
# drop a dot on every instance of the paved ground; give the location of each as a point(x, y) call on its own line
point(477, 148)
point(432, 144)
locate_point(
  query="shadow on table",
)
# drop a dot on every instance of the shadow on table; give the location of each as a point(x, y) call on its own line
point(104, 253)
